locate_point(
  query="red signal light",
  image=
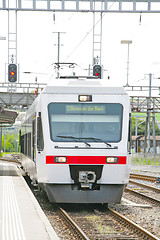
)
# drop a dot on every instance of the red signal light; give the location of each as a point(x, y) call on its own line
point(97, 70)
point(12, 73)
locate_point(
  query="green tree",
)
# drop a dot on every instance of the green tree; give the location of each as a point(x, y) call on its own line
point(142, 125)
point(10, 143)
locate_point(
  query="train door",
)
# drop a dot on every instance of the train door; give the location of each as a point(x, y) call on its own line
point(41, 174)
point(40, 141)
point(34, 139)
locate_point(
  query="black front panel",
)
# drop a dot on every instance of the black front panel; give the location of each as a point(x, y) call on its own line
point(75, 169)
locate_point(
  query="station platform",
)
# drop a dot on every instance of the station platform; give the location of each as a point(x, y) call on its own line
point(21, 217)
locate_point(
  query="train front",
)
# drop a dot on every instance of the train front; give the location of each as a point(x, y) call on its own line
point(86, 136)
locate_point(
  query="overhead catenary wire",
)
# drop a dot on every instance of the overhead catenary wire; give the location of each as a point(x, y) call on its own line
point(103, 14)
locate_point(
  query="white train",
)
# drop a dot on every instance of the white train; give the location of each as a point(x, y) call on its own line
point(75, 141)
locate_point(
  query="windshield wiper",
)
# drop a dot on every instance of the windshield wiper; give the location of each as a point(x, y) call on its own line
point(87, 144)
point(89, 138)
point(101, 140)
point(67, 137)
point(76, 139)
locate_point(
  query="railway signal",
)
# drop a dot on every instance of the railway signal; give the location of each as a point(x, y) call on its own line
point(97, 71)
point(12, 72)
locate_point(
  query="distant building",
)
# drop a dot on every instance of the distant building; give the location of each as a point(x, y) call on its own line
point(138, 143)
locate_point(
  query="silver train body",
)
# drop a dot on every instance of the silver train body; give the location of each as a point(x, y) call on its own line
point(75, 141)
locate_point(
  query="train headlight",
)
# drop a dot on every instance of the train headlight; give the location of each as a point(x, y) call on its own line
point(112, 159)
point(60, 159)
point(85, 98)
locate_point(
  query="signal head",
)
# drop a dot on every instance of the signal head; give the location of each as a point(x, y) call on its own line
point(97, 71)
point(12, 72)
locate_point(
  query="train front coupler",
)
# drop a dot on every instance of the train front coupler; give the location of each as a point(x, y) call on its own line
point(87, 179)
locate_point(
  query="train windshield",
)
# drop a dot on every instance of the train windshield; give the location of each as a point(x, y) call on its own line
point(101, 122)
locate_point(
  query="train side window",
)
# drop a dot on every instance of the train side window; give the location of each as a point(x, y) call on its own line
point(40, 141)
point(22, 143)
point(129, 134)
point(33, 138)
point(25, 144)
point(29, 144)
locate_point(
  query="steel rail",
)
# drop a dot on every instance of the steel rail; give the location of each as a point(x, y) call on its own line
point(80, 233)
point(143, 177)
point(134, 225)
point(150, 199)
point(145, 186)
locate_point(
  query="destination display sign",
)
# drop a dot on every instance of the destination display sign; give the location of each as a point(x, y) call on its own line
point(86, 109)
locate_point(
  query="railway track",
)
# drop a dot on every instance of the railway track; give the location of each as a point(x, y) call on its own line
point(77, 231)
point(108, 218)
point(143, 177)
point(96, 224)
point(121, 220)
point(145, 186)
point(93, 223)
point(149, 199)
point(141, 232)
point(141, 192)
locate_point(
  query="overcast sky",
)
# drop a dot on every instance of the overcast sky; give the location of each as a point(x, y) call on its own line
point(37, 49)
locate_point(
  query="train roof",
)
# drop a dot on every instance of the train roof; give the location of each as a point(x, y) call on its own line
point(82, 86)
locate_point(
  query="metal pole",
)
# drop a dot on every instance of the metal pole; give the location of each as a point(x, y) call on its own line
point(145, 139)
point(4, 139)
point(101, 39)
point(17, 139)
point(58, 53)
point(136, 133)
point(1, 139)
point(58, 57)
point(16, 32)
point(8, 32)
point(154, 130)
point(97, 37)
point(148, 129)
point(93, 59)
point(150, 83)
point(127, 42)
point(128, 65)
point(148, 112)
point(154, 135)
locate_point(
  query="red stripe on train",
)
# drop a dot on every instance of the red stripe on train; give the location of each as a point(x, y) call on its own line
point(85, 160)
